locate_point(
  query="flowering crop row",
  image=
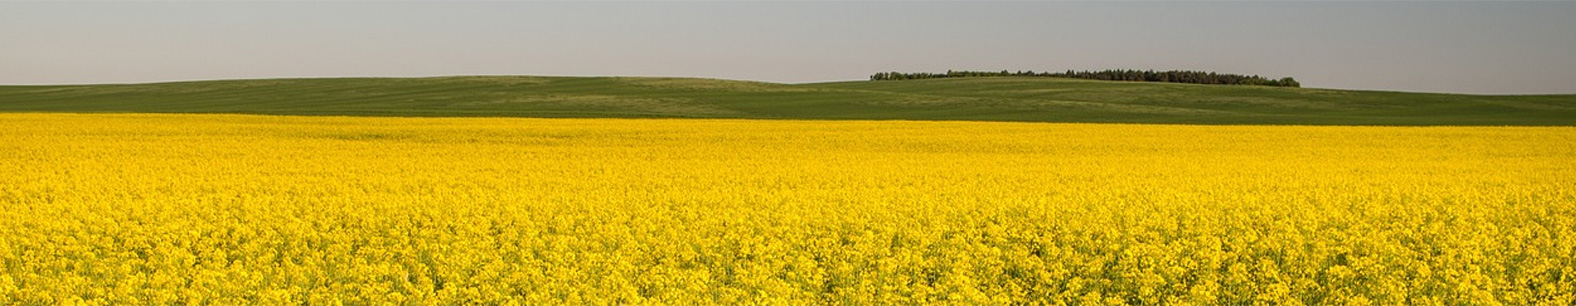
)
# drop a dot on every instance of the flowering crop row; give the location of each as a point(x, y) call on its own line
point(121, 209)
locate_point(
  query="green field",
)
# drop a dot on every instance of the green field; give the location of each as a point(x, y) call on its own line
point(990, 99)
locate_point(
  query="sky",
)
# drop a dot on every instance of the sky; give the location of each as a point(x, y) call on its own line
point(1490, 47)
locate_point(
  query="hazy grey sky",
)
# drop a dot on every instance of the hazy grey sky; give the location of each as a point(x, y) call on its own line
point(1471, 47)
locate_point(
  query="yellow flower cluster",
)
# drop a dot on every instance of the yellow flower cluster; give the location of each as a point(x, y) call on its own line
point(123, 209)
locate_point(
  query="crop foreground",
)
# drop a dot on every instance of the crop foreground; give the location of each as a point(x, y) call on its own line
point(134, 209)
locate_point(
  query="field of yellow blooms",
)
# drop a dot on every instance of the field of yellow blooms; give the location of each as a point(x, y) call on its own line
point(126, 209)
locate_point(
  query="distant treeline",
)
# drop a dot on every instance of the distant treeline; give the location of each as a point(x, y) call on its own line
point(1173, 76)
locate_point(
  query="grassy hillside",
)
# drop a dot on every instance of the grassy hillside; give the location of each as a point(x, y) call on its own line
point(1005, 98)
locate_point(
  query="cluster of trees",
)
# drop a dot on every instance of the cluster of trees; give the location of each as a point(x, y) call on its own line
point(1172, 76)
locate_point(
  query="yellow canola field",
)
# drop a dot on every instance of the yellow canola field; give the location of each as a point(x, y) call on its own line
point(122, 209)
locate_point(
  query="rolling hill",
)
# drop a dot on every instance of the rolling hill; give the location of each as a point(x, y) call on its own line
point(986, 99)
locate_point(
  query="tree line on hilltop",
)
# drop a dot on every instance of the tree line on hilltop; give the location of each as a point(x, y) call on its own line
point(1172, 76)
